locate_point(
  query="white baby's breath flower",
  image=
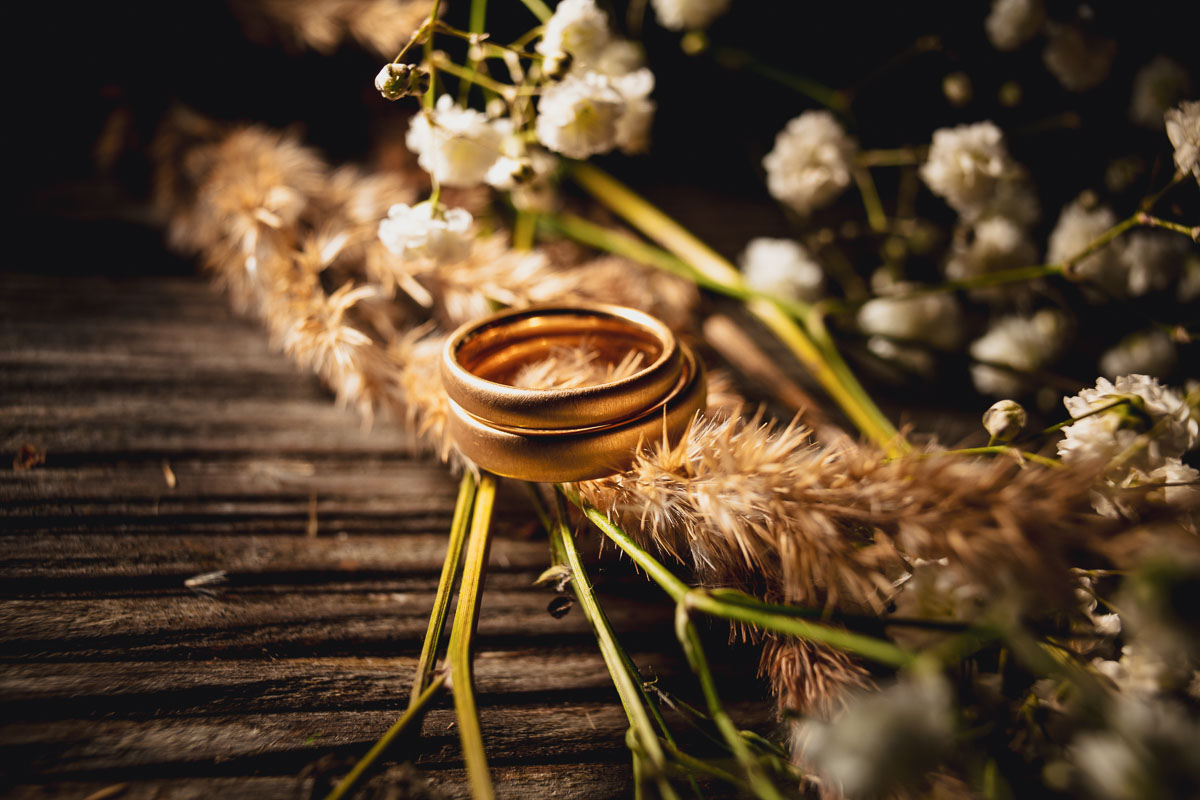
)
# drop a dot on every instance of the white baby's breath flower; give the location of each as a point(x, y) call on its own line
point(1023, 343)
point(913, 358)
point(996, 243)
point(783, 268)
point(456, 145)
point(688, 14)
point(1153, 260)
point(1011, 23)
point(1157, 87)
point(579, 116)
point(1189, 282)
point(633, 126)
point(418, 233)
point(577, 27)
point(1148, 352)
point(930, 318)
point(1099, 436)
point(883, 740)
point(1183, 129)
point(1148, 750)
point(1077, 227)
point(619, 57)
point(1079, 59)
point(811, 162)
point(966, 164)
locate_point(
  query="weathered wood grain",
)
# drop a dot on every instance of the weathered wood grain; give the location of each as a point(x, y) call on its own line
point(176, 443)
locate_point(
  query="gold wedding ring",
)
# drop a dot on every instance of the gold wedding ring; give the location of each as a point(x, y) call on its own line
point(566, 434)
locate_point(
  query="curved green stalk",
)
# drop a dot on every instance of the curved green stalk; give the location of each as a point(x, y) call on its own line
point(459, 654)
point(685, 631)
point(538, 9)
point(632, 694)
point(441, 601)
point(760, 614)
point(415, 707)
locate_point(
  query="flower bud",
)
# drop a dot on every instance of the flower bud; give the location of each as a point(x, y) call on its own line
point(400, 80)
point(1004, 420)
point(555, 65)
point(392, 81)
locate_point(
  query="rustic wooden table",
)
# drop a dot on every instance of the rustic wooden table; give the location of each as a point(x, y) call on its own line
point(177, 443)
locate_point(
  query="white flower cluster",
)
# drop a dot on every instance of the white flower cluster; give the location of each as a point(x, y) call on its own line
point(994, 243)
point(1022, 343)
point(420, 233)
point(1148, 352)
point(811, 162)
point(932, 319)
point(1078, 225)
point(1158, 86)
point(603, 101)
point(1011, 23)
point(1079, 59)
point(1183, 129)
point(969, 166)
point(1139, 429)
point(681, 15)
point(457, 146)
point(881, 740)
point(783, 268)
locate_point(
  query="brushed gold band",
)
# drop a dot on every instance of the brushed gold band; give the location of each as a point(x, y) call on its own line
point(585, 453)
point(482, 358)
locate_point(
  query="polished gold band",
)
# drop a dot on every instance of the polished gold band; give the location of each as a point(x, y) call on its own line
point(481, 360)
point(589, 433)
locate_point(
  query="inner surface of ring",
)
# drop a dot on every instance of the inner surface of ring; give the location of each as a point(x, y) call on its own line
point(497, 353)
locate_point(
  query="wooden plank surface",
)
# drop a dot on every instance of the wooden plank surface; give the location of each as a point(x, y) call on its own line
point(177, 443)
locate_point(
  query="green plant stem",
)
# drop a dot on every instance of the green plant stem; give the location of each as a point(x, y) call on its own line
point(466, 616)
point(415, 707)
point(897, 157)
point(633, 695)
point(475, 24)
point(441, 600)
point(760, 614)
point(524, 229)
point(733, 58)
point(693, 764)
point(431, 92)
point(623, 244)
point(1193, 232)
point(471, 76)
point(756, 777)
point(876, 216)
point(842, 386)
point(996, 450)
point(1124, 401)
point(538, 9)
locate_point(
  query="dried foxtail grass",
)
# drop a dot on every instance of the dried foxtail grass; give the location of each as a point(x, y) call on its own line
point(747, 502)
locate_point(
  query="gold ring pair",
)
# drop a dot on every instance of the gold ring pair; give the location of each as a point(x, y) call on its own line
point(568, 434)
